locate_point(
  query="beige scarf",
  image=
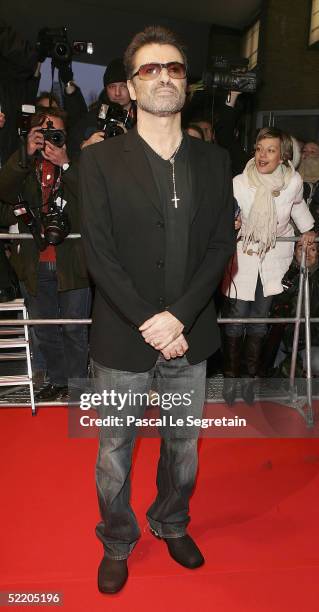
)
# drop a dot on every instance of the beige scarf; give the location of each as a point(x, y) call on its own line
point(261, 224)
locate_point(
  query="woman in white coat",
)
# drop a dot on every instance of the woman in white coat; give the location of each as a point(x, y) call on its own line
point(269, 193)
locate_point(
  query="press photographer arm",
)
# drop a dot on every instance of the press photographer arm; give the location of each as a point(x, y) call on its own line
point(73, 100)
point(225, 127)
point(12, 178)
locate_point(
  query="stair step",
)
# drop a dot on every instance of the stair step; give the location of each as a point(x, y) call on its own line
point(14, 380)
point(14, 305)
point(11, 331)
point(12, 343)
point(13, 357)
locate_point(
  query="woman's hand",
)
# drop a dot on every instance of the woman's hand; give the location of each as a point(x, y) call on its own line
point(238, 223)
point(307, 238)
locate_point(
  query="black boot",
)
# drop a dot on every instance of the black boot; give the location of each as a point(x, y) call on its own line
point(252, 350)
point(112, 575)
point(231, 353)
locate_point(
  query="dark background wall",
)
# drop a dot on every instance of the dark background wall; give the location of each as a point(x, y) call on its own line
point(223, 41)
point(289, 68)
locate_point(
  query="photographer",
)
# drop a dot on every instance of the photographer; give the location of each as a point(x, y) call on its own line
point(53, 272)
point(115, 93)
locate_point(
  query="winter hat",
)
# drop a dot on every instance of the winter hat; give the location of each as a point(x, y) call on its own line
point(115, 72)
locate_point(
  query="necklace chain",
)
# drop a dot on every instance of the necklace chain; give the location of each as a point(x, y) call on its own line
point(175, 199)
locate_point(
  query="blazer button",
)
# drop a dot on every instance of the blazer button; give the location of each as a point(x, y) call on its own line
point(161, 301)
point(160, 224)
point(160, 263)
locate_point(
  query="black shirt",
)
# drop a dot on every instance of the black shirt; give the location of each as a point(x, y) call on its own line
point(176, 219)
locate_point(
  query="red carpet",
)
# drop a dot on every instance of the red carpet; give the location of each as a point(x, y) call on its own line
point(254, 515)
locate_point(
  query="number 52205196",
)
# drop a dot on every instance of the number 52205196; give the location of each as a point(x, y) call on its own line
point(33, 599)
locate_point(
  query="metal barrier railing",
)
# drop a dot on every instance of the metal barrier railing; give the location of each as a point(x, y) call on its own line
point(303, 292)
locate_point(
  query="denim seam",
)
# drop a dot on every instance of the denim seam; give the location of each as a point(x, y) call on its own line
point(169, 536)
point(116, 558)
point(120, 557)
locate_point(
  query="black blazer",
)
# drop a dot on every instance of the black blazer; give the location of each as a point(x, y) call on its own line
point(124, 238)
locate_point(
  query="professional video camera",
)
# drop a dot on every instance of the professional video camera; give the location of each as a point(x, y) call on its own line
point(113, 120)
point(53, 42)
point(231, 75)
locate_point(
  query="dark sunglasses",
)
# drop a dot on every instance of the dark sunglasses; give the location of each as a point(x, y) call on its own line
point(148, 72)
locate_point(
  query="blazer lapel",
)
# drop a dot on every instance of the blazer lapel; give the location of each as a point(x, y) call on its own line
point(135, 158)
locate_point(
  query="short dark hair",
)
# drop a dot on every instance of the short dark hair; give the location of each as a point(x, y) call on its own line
point(50, 96)
point(196, 128)
point(49, 111)
point(151, 35)
point(286, 145)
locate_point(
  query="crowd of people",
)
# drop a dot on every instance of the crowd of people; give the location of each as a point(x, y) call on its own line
point(54, 281)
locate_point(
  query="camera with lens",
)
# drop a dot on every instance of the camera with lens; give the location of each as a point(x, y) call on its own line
point(23, 211)
point(54, 43)
point(51, 134)
point(113, 120)
point(56, 225)
point(231, 75)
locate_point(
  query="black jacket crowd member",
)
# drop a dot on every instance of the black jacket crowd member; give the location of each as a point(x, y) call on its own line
point(154, 310)
point(18, 85)
point(225, 131)
point(54, 280)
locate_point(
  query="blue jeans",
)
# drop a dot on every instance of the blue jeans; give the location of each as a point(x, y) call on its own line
point(241, 309)
point(64, 347)
point(168, 516)
point(38, 361)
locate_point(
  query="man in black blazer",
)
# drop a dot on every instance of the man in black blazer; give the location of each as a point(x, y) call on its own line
point(157, 224)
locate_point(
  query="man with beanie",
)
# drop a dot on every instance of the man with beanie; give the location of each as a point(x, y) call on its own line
point(115, 92)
